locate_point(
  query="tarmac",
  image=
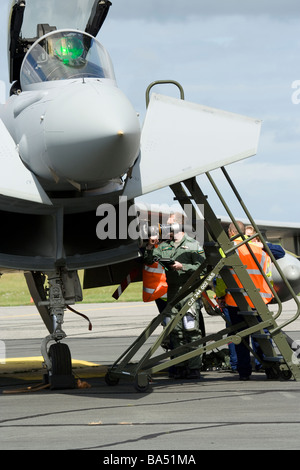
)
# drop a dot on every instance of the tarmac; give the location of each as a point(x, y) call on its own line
point(216, 412)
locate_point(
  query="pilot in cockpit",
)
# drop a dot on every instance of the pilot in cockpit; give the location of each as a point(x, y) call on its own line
point(69, 49)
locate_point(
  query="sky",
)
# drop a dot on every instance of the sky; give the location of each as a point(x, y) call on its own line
point(235, 55)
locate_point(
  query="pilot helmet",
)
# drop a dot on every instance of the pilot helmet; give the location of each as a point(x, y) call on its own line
point(69, 49)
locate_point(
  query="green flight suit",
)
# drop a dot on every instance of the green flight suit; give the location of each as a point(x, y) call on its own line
point(189, 253)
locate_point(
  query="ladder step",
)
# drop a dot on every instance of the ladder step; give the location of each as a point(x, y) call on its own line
point(234, 290)
point(274, 359)
point(261, 335)
point(248, 312)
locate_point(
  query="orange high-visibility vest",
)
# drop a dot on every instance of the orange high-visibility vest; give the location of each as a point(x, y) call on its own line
point(154, 282)
point(254, 272)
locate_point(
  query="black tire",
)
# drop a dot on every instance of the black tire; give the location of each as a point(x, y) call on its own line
point(272, 373)
point(286, 374)
point(111, 381)
point(60, 356)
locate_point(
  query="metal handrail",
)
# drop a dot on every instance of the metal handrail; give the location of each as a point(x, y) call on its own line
point(287, 322)
point(245, 240)
point(291, 290)
point(161, 82)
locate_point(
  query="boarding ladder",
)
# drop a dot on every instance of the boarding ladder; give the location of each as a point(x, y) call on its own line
point(279, 359)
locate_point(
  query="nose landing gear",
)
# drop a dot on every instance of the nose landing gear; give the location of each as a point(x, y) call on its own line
point(63, 289)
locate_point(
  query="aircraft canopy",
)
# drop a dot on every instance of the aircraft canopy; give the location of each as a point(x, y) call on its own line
point(71, 14)
point(65, 54)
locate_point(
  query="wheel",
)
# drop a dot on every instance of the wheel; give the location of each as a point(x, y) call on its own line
point(285, 374)
point(60, 356)
point(272, 373)
point(111, 381)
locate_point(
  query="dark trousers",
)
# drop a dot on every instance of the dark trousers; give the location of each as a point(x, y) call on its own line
point(231, 346)
point(243, 354)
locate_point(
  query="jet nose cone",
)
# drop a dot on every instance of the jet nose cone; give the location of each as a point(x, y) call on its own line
point(92, 133)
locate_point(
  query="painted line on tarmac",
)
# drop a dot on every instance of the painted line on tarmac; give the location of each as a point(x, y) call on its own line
point(39, 359)
point(31, 368)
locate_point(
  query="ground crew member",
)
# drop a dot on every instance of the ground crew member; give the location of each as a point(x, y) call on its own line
point(226, 300)
point(276, 250)
point(278, 253)
point(155, 285)
point(187, 256)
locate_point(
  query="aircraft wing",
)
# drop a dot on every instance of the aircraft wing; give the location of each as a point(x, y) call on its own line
point(281, 230)
point(16, 181)
point(182, 139)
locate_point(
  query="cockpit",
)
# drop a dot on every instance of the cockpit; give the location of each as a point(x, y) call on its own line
point(65, 54)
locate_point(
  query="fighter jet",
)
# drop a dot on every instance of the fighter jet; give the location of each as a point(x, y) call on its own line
point(71, 143)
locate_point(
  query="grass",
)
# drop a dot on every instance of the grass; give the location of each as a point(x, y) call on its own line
point(14, 292)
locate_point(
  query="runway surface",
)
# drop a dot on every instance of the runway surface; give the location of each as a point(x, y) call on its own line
point(217, 412)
